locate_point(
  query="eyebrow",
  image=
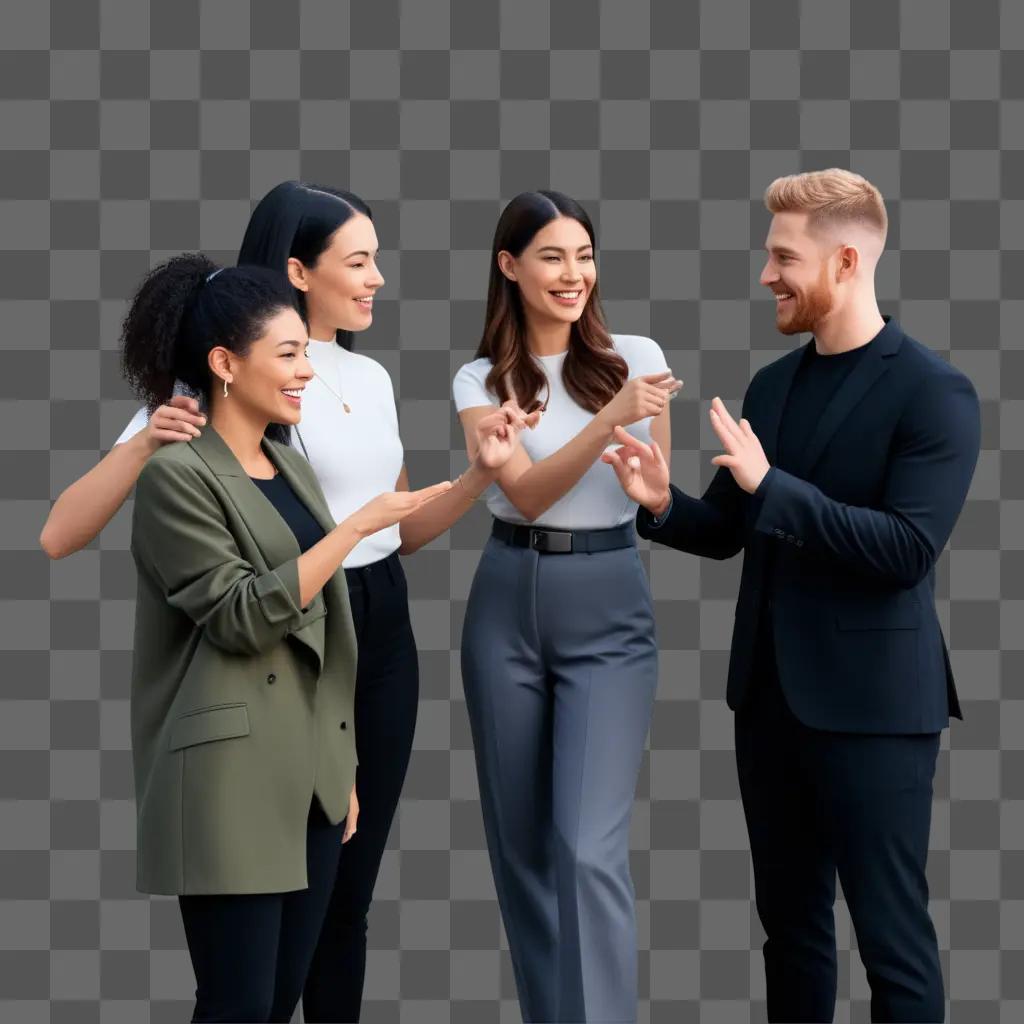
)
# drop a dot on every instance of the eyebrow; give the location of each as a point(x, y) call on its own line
point(782, 249)
point(358, 252)
point(292, 342)
point(558, 248)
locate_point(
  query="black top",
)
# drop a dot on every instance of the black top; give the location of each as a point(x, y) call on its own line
point(816, 381)
point(280, 494)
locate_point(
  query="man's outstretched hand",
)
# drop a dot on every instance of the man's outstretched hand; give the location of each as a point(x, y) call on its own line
point(744, 457)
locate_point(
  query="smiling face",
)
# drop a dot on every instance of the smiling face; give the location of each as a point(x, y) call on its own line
point(340, 287)
point(800, 271)
point(269, 379)
point(555, 272)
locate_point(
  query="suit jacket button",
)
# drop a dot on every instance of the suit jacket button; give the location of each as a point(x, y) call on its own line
point(790, 538)
point(799, 543)
point(271, 678)
point(344, 725)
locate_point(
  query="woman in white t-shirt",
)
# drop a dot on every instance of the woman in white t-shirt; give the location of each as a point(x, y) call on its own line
point(559, 658)
point(324, 239)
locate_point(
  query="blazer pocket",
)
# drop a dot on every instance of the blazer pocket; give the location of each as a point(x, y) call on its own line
point(219, 722)
point(878, 618)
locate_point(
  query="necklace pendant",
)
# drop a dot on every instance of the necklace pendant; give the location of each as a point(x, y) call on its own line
point(345, 406)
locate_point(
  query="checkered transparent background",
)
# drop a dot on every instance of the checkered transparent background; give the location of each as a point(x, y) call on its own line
point(131, 131)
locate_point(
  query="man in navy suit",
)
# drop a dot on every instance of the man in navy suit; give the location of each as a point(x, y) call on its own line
point(841, 483)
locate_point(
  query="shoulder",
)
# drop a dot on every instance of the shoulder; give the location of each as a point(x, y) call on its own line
point(366, 369)
point(476, 370)
point(173, 467)
point(927, 363)
point(642, 354)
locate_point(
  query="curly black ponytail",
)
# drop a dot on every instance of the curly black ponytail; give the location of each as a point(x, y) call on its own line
point(184, 308)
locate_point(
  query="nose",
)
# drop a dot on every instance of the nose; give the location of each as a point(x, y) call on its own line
point(768, 274)
point(376, 279)
point(571, 272)
point(304, 368)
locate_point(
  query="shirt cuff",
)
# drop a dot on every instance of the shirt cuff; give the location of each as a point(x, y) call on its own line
point(655, 521)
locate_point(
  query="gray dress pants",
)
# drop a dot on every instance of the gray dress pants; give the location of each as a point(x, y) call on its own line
point(559, 665)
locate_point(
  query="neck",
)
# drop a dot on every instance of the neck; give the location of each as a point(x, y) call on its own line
point(320, 330)
point(849, 328)
point(547, 338)
point(240, 431)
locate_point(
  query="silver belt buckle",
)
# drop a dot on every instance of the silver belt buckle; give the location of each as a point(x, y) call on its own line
point(551, 541)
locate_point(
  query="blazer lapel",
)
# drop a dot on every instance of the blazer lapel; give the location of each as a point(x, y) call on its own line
point(269, 532)
point(855, 386)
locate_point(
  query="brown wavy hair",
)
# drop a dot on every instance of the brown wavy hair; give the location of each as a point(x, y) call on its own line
point(593, 372)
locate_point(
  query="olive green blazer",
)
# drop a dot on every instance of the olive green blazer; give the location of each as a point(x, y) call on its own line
point(241, 700)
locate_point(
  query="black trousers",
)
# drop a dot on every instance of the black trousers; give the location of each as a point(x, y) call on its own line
point(387, 692)
point(821, 803)
point(251, 953)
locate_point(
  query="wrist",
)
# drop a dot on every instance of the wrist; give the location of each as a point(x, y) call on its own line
point(477, 478)
point(660, 506)
point(142, 444)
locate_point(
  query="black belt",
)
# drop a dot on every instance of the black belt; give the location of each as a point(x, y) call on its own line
point(564, 542)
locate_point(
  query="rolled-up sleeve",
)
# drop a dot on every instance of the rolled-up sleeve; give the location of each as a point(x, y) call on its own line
point(181, 538)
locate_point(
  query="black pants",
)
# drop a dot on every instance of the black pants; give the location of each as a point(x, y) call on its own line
point(818, 803)
point(387, 692)
point(251, 953)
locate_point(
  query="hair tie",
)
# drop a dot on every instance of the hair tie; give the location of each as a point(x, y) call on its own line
point(213, 274)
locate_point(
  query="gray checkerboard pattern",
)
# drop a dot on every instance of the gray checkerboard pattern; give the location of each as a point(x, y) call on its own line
point(131, 131)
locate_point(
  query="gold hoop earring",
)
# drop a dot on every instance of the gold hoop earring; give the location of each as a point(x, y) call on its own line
point(225, 387)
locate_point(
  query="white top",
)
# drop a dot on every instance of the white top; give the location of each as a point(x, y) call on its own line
point(356, 455)
point(596, 501)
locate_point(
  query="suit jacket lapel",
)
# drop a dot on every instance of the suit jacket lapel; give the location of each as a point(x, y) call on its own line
point(854, 387)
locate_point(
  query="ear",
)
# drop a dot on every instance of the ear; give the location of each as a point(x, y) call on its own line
point(507, 264)
point(219, 361)
point(848, 261)
point(296, 271)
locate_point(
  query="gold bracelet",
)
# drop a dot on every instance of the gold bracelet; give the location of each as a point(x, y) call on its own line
point(466, 491)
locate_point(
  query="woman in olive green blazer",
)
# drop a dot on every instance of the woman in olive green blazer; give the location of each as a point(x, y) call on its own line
point(245, 654)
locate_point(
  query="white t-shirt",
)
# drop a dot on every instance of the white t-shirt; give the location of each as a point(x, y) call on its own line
point(355, 455)
point(596, 501)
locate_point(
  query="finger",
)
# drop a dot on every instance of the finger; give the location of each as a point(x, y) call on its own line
point(729, 461)
point(426, 493)
point(172, 435)
point(533, 419)
point(658, 457)
point(669, 385)
point(653, 378)
point(183, 402)
point(175, 413)
point(726, 436)
point(748, 429)
point(613, 459)
point(627, 440)
point(719, 406)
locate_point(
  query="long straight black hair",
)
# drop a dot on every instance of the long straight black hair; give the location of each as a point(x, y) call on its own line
point(297, 220)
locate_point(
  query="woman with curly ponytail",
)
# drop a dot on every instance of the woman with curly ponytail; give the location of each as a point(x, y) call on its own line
point(245, 790)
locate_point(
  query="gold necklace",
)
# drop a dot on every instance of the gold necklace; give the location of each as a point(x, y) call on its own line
point(320, 378)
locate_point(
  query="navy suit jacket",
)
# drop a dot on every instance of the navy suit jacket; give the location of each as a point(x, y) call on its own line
point(857, 527)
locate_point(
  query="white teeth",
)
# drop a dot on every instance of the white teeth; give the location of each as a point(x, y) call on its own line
point(781, 297)
point(366, 300)
point(567, 295)
point(294, 392)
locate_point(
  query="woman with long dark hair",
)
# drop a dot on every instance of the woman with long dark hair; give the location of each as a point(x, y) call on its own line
point(245, 790)
point(324, 240)
point(559, 659)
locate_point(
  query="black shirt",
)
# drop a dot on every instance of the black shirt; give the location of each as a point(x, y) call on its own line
point(280, 494)
point(817, 379)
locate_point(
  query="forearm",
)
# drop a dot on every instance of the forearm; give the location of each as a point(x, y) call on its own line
point(317, 565)
point(85, 507)
point(534, 491)
point(441, 513)
point(873, 542)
